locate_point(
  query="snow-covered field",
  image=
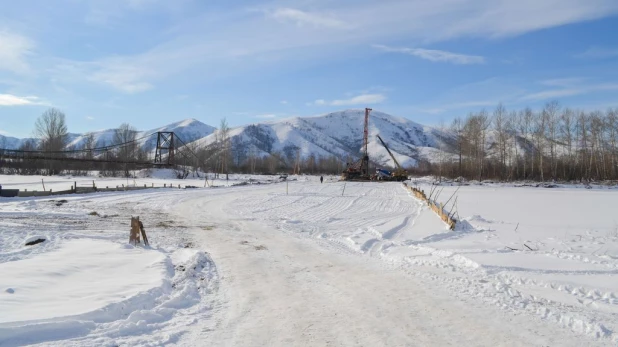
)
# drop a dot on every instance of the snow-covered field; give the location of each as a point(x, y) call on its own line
point(149, 178)
point(306, 263)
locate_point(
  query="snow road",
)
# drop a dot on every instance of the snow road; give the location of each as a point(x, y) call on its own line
point(316, 266)
point(280, 290)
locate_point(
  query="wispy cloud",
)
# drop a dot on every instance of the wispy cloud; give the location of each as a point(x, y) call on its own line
point(14, 49)
point(89, 118)
point(13, 100)
point(301, 18)
point(341, 24)
point(598, 53)
point(364, 99)
point(434, 55)
point(563, 82)
point(457, 106)
point(572, 91)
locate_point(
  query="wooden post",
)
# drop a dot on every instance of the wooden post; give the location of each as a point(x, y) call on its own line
point(141, 228)
point(343, 191)
point(43, 184)
point(135, 230)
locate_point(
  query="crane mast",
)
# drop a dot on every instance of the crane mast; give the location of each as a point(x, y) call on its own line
point(399, 174)
point(389, 152)
point(365, 160)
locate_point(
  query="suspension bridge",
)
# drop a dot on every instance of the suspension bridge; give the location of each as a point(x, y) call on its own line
point(166, 153)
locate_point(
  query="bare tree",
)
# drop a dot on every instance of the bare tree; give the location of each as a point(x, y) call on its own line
point(224, 138)
point(567, 123)
point(501, 126)
point(484, 124)
point(89, 144)
point(125, 136)
point(550, 114)
point(458, 130)
point(52, 131)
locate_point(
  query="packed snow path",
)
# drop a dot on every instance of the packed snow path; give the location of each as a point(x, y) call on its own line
point(316, 266)
point(278, 289)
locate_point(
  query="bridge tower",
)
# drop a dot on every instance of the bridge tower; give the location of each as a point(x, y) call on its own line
point(165, 146)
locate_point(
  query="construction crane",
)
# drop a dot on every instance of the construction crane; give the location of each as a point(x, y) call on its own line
point(398, 175)
point(359, 171)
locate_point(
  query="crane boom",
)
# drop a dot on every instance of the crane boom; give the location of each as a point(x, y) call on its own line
point(389, 152)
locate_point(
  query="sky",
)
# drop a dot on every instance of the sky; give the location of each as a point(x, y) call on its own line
point(154, 62)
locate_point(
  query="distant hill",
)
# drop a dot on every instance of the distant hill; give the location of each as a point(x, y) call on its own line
point(340, 134)
point(337, 134)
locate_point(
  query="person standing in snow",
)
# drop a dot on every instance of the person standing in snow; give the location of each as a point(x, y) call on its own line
point(321, 179)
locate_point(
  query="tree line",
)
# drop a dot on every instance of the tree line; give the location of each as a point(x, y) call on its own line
point(554, 143)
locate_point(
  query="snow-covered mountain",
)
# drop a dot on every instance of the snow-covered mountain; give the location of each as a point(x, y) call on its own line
point(12, 142)
point(187, 130)
point(338, 134)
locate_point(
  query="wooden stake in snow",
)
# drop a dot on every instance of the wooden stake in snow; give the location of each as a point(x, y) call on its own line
point(134, 236)
point(141, 228)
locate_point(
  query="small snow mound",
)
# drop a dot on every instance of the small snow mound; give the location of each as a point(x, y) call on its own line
point(477, 218)
point(464, 225)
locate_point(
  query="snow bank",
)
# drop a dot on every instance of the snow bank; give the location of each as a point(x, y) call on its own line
point(82, 276)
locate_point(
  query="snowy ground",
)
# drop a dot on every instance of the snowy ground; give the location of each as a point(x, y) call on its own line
point(310, 264)
point(158, 178)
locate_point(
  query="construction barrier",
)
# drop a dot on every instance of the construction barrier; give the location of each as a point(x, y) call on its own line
point(435, 206)
point(75, 189)
point(9, 193)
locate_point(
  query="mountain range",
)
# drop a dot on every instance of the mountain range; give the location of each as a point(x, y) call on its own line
point(338, 134)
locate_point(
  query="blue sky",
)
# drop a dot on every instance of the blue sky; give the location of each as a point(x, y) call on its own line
point(153, 62)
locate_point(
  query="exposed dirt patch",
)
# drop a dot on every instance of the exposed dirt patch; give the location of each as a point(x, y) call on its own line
point(35, 242)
